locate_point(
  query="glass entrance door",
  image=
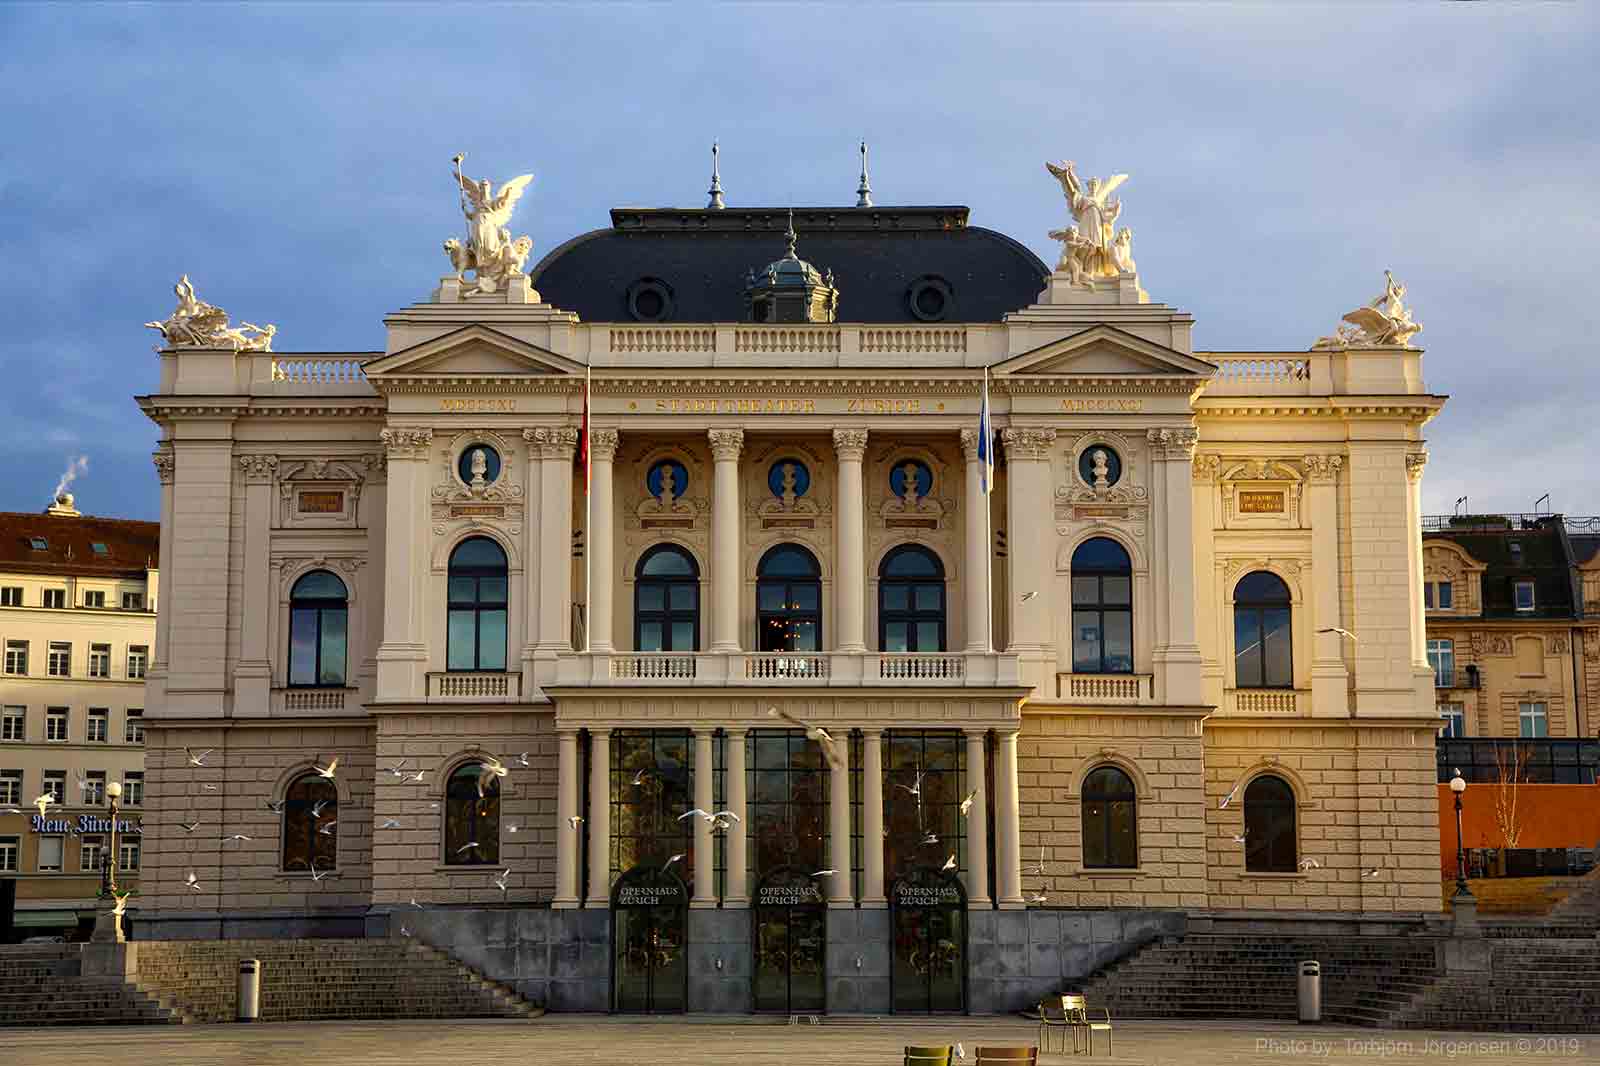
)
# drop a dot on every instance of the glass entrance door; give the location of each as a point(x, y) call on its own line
point(790, 943)
point(928, 923)
point(649, 919)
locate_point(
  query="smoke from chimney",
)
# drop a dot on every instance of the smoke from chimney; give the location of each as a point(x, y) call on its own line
point(75, 467)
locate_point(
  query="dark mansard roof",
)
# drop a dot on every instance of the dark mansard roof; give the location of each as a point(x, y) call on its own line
point(891, 264)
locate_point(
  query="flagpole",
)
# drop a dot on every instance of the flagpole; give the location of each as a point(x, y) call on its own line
point(588, 515)
point(988, 511)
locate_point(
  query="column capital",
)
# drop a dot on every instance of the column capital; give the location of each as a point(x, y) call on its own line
point(553, 442)
point(1415, 461)
point(975, 731)
point(603, 444)
point(1323, 467)
point(726, 444)
point(163, 461)
point(567, 732)
point(406, 442)
point(258, 468)
point(599, 730)
point(1173, 444)
point(1206, 467)
point(707, 731)
point(970, 439)
point(735, 732)
point(1028, 442)
point(850, 443)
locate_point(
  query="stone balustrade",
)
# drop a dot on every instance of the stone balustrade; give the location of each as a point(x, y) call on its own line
point(475, 687)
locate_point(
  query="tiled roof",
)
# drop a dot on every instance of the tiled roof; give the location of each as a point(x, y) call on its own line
point(130, 546)
point(1531, 551)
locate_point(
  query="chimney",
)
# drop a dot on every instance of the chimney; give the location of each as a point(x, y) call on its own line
point(63, 507)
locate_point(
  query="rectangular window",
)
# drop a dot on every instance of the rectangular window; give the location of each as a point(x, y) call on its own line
point(94, 787)
point(9, 849)
point(99, 725)
point(1438, 595)
point(99, 660)
point(49, 858)
point(14, 724)
point(55, 783)
point(58, 663)
point(55, 723)
point(11, 596)
point(89, 851)
point(11, 787)
point(133, 788)
point(1454, 716)
point(133, 728)
point(1533, 720)
point(1447, 595)
point(1442, 657)
point(54, 598)
point(138, 656)
point(94, 599)
point(1524, 595)
point(16, 657)
point(128, 855)
point(133, 601)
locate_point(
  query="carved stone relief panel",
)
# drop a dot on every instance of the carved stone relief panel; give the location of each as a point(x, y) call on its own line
point(320, 493)
point(1260, 494)
point(664, 489)
point(491, 499)
point(1114, 494)
point(788, 485)
point(912, 486)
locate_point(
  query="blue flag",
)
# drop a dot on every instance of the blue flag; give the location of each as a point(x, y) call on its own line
point(986, 440)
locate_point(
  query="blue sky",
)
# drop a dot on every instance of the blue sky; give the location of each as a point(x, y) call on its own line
point(294, 160)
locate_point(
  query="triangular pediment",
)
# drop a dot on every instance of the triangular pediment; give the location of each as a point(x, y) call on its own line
point(472, 351)
point(1105, 351)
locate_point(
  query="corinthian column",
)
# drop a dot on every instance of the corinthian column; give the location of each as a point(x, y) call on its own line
point(872, 819)
point(705, 883)
point(567, 857)
point(598, 539)
point(726, 444)
point(976, 511)
point(1031, 533)
point(849, 588)
point(556, 446)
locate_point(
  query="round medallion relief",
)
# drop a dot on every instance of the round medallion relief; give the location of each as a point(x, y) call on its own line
point(479, 464)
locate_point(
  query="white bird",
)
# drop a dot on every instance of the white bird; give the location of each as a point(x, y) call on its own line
point(327, 830)
point(122, 902)
point(930, 839)
point(523, 759)
point(197, 760)
point(829, 746)
point(417, 777)
point(667, 865)
point(236, 836)
point(513, 828)
point(43, 800)
point(13, 810)
point(1310, 864)
point(501, 882)
point(691, 814)
point(192, 881)
point(638, 778)
point(433, 806)
point(487, 772)
point(949, 864)
point(823, 873)
point(468, 846)
point(316, 808)
point(190, 827)
point(1239, 839)
point(1374, 872)
point(1336, 629)
point(1222, 806)
point(1038, 867)
point(391, 823)
point(1038, 897)
point(316, 876)
point(966, 804)
point(415, 904)
point(405, 932)
point(398, 768)
point(209, 788)
point(575, 821)
point(1026, 596)
point(275, 806)
point(327, 771)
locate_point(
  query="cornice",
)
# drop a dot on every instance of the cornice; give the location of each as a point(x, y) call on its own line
point(498, 384)
point(1050, 385)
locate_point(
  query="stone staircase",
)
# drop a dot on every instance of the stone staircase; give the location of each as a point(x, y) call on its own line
point(44, 985)
point(1542, 984)
point(306, 980)
point(1366, 980)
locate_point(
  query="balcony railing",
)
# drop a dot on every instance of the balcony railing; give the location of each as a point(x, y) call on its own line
point(646, 666)
point(309, 700)
point(1264, 375)
point(1467, 677)
point(835, 669)
point(914, 667)
point(786, 666)
point(1267, 701)
point(476, 687)
point(1105, 688)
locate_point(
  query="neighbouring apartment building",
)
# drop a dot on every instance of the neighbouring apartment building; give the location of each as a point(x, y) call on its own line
point(78, 597)
point(571, 554)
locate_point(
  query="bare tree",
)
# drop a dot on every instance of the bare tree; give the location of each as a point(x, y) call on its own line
point(1510, 771)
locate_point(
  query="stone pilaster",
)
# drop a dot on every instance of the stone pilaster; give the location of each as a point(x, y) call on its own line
point(736, 893)
point(567, 828)
point(556, 446)
point(850, 445)
point(977, 549)
point(599, 539)
point(1206, 520)
point(1177, 660)
point(872, 819)
point(1031, 532)
point(1330, 682)
point(403, 655)
point(839, 888)
point(599, 817)
point(705, 883)
point(726, 445)
point(1007, 822)
point(977, 821)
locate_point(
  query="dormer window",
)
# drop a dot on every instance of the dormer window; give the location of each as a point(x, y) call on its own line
point(99, 548)
point(1524, 592)
point(38, 544)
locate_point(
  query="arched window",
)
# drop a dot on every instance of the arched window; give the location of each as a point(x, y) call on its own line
point(1110, 819)
point(666, 601)
point(911, 600)
point(1102, 608)
point(1262, 657)
point(1269, 837)
point(472, 816)
point(789, 600)
point(318, 624)
point(477, 638)
point(310, 823)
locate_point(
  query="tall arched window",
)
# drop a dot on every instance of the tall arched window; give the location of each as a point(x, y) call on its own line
point(1262, 657)
point(789, 600)
point(911, 614)
point(1110, 819)
point(472, 816)
point(310, 829)
point(1102, 608)
point(666, 601)
point(318, 624)
point(1269, 836)
point(477, 638)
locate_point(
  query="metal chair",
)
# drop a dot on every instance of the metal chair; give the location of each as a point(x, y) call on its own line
point(1076, 1008)
point(929, 1056)
point(1061, 1022)
point(1008, 1056)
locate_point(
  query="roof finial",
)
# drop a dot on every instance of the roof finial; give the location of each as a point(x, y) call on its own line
point(791, 236)
point(716, 182)
point(864, 192)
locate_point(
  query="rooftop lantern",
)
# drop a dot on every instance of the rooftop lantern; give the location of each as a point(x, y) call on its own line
point(790, 289)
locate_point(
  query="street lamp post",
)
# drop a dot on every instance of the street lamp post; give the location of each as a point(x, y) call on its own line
point(1458, 787)
point(108, 921)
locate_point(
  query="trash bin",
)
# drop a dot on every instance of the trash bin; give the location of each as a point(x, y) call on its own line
point(1310, 991)
point(249, 989)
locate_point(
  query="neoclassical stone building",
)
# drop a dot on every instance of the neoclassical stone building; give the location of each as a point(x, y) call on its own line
point(1122, 684)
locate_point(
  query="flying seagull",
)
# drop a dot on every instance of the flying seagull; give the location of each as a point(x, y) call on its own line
point(391, 823)
point(316, 808)
point(405, 932)
point(1038, 897)
point(327, 830)
point(415, 904)
point(513, 828)
point(1374, 872)
point(1240, 838)
point(930, 839)
point(1026, 596)
point(1223, 805)
point(192, 881)
point(398, 768)
point(823, 873)
point(197, 760)
point(835, 757)
point(327, 771)
point(487, 772)
point(1310, 864)
point(949, 864)
point(275, 806)
point(501, 882)
point(417, 777)
point(523, 759)
point(469, 845)
point(236, 836)
point(122, 902)
point(966, 804)
point(575, 821)
point(318, 876)
point(209, 787)
point(1336, 629)
point(668, 864)
point(189, 827)
point(638, 778)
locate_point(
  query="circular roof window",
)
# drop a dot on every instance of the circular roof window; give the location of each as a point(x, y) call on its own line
point(930, 298)
point(650, 300)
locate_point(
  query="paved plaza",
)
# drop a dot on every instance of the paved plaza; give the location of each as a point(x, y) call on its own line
point(686, 1042)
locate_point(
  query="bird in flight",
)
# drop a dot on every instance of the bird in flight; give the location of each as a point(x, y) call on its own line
point(12, 810)
point(122, 902)
point(502, 882)
point(417, 777)
point(468, 846)
point(391, 823)
point(189, 827)
point(575, 821)
point(197, 760)
point(209, 787)
point(966, 804)
point(275, 806)
point(1310, 864)
point(830, 747)
point(316, 808)
point(415, 904)
point(315, 876)
point(1026, 596)
point(1038, 867)
point(949, 864)
point(327, 830)
point(1336, 629)
point(513, 828)
point(488, 772)
point(236, 836)
point(1374, 872)
point(405, 932)
point(327, 771)
point(638, 778)
point(930, 839)
point(523, 759)
point(1223, 805)
point(823, 873)
point(1037, 897)
point(668, 864)
point(398, 769)
point(1239, 839)
point(43, 801)
point(192, 881)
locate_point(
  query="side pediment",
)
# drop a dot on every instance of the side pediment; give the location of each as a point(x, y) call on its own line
point(472, 351)
point(1105, 351)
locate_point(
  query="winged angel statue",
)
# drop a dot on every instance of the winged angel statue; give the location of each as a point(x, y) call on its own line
point(1092, 248)
point(490, 251)
point(1383, 322)
point(197, 324)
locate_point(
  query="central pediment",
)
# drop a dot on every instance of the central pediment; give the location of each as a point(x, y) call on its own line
point(475, 351)
point(1105, 351)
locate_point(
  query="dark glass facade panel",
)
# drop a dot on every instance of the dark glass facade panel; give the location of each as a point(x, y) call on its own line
point(652, 783)
point(471, 820)
point(1110, 820)
point(311, 804)
point(788, 802)
point(1263, 656)
point(666, 601)
point(1269, 826)
point(789, 600)
point(922, 792)
point(911, 601)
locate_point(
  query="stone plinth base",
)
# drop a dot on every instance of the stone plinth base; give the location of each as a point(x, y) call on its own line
point(1123, 289)
point(454, 290)
point(1464, 911)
